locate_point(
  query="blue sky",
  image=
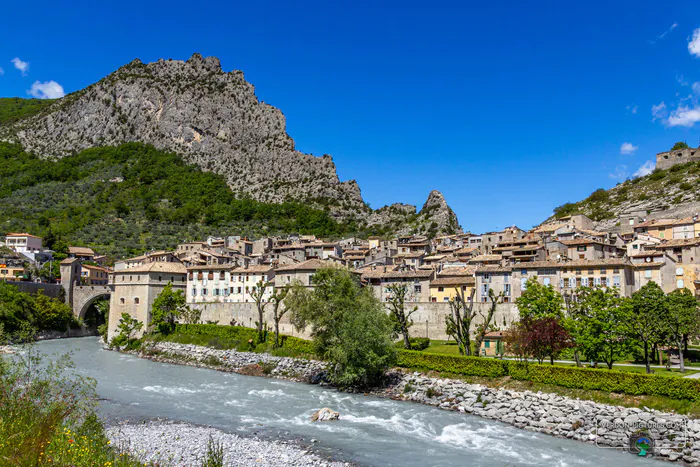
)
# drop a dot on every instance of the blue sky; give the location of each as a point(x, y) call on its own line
point(508, 108)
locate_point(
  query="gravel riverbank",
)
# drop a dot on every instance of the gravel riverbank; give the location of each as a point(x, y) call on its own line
point(180, 444)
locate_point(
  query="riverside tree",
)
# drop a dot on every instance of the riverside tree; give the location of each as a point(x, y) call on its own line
point(598, 321)
point(647, 309)
point(540, 301)
point(258, 295)
point(459, 322)
point(681, 320)
point(168, 306)
point(401, 317)
point(279, 309)
point(348, 324)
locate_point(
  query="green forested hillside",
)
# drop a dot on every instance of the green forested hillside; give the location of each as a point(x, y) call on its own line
point(126, 199)
point(15, 108)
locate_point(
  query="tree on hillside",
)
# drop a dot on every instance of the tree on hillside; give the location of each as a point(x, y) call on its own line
point(258, 295)
point(647, 310)
point(168, 306)
point(279, 309)
point(679, 145)
point(539, 301)
point(401, 317)
point(598, 321)
point(348, 324)
point(682, 319)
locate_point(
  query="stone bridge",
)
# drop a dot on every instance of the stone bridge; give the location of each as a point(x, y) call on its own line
point(86, 295)
point(79, 296)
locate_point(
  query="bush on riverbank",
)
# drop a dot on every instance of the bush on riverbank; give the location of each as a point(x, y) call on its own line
point(48, 413)
point(569, 377)
point(41, 312)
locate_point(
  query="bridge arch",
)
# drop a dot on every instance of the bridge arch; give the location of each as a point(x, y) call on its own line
point(86, 295)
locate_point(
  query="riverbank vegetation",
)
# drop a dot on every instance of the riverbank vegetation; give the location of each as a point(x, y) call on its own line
point(48, 413)
point(19, 309)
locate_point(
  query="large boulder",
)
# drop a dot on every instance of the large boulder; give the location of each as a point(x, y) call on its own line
point(325, 415)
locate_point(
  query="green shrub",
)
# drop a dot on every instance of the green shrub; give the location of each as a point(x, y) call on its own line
point(657, 174)
point(686, 186)
point(417, 343)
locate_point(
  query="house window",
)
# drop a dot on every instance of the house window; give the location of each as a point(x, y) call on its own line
point(603, 271)
point(596, 281)
point(487, 344)
point(122, 300)
point(616, 281)
point(136, 300)
point(484, 289)
point(561, 283)
point(547, 281)
point(680, 284)
point(210, 276)
point(441, 289)
point(584, 282)
point(506, 289)
point(679, 271)
point(647, 273)
point(635, 247)
point(204, 291)
point(222, 275)
point(523, 283)
point(416, 288)
point(572, 282)
point(581, 248)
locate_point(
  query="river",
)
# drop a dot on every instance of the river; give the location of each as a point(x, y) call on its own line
point(371, 431)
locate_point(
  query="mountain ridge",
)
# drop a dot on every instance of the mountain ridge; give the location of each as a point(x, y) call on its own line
point(214, 120)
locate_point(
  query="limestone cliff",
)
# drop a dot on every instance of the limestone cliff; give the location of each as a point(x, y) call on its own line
point(214, 120)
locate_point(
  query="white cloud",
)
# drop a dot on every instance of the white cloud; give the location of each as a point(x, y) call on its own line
point(632, 109)
point(628, 148)
point(658, 111)
point(665, 33)
point(46, 90)
point(646, 168)
point(684, 116)
point(620, 172)
point(20, 65)
point(694, 44)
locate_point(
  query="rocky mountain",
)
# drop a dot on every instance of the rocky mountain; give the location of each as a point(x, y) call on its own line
point(212, 119)
point(671, 193)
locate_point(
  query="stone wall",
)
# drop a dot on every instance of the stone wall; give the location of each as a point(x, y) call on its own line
point(428, 320)
point(50, 290)
point(665, 160)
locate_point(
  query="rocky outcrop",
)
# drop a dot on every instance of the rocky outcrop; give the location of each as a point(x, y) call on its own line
point(212, 119)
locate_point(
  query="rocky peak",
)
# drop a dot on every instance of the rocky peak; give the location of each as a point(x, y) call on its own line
point(439, 214)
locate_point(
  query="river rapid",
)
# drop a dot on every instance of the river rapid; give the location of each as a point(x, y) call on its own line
point(371, 430)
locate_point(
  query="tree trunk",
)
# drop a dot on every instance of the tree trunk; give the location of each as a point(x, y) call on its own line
point(653, 351)
point(406, 340)
point(277, 332)
point(661, 356)
point(646, 356)
point(577, 358)
point(680, 354)
point(551, 360)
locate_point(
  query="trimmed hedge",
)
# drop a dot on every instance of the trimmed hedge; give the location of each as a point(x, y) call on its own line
point(571, 377)
point(472, 366)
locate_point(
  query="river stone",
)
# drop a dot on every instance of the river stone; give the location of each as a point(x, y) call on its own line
point(325, 415)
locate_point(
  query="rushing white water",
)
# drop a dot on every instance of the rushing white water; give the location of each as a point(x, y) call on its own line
point(371, 431)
